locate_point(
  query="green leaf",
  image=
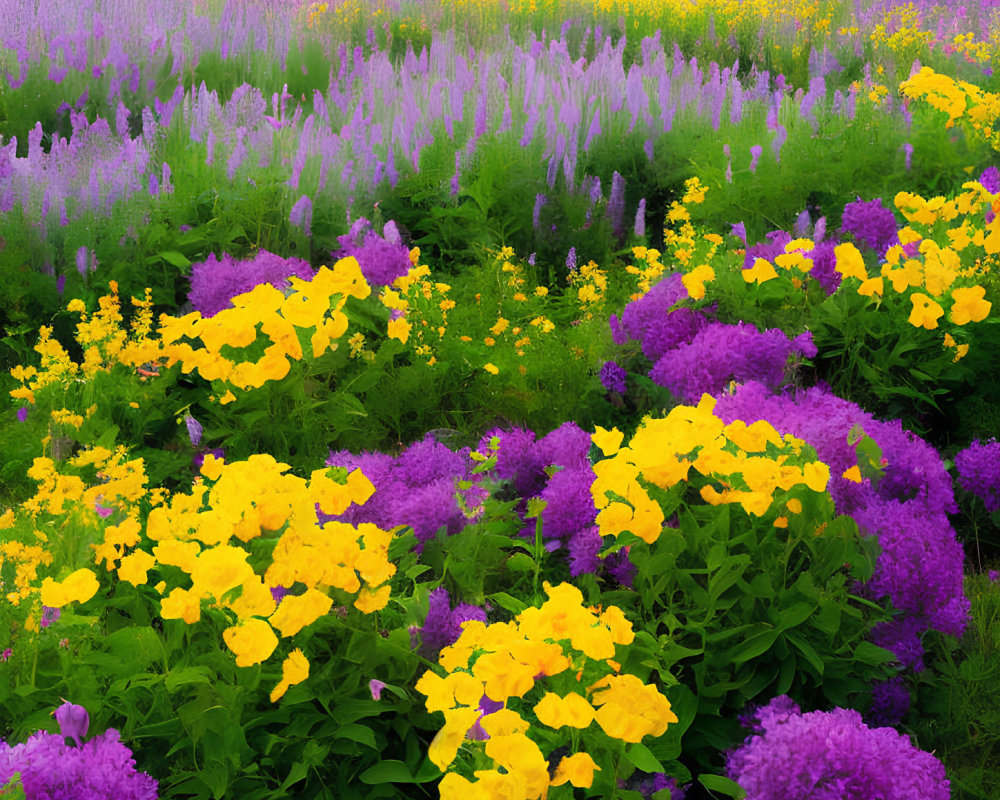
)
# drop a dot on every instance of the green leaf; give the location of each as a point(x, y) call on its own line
point(717, 783)
point(175, 258)
point(186, 676)
point(356, 733)
point(388, 771)
point(640, 756)
point(508, 602)
point(753, 646)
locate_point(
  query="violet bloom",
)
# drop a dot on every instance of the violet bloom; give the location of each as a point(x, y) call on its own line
point(73, 722)
point(871, 224)
point(103, 767)
point(382, 259)
point(755, 153)
point(49, 615)
point(613, 377)
point(443, 625)
point(994, 575)
point(890, 703)
point(990, 180)
point(215, 282)
point(22, 413)
point(375, 686)
point(194, 429)
point(978, 468)
point(6, 654)
point(301, 214)
point(826, 755)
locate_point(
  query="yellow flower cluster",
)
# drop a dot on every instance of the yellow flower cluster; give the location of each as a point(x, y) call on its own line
point(506, 660)
point(937, 271)
point(247, 500)
point(750, 462)
point(24, 560)
point(963, 102)
point(424, 306)
point(314, 305)
point(794, 262)
point(590, 283)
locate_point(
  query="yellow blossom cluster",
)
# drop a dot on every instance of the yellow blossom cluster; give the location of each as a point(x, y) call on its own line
point(590, 283)
point(693, 253)
point(794, 262)
point(419, 307)
point(504, 662)
point(314, 305)
point(918, 262)
point(750, 462)
point(978, 111)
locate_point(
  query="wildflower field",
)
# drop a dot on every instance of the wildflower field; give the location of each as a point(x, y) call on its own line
point(516, 400)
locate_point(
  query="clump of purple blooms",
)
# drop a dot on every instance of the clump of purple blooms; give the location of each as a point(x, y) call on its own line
point(443, 624)
point(653, 321)
point(557, 470)
point(920, 564)
point(215, 283)
point(419, 487)
point(871, 224)
point(649, 783)
point(831, 755)
point(721, 353)
point(382, 258)
point(990, 180)
point(613, 377)
point(890, 703)
point(53, 770)
point(978, 468)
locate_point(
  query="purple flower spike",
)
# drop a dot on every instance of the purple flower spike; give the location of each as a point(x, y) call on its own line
point(73, 722)
point(22, 413)
point(194, 429)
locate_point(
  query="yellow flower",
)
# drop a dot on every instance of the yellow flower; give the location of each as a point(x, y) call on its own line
point(219, 569)
point(849, 262)
point(399, 329)
point(294, 669)
point(295, 612)
point(133, 567)
point(79, 586)
point(607, 441)
point(370, 600)
point(853, 474)
point(925, 313)
point(252, 641)
point(969, 305)
point(444, 746)
point(491, 368)
point(578, 769)
point(572, 710)
point(871, 286)
point(181, 604)
point(761, 271)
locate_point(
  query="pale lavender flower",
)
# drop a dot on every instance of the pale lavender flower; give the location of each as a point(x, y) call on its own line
point(301, 214)
point(640, 219)
point(194, 429)
point(22, 413)
point(375, 686)
point(73, 721)
point(755, 153)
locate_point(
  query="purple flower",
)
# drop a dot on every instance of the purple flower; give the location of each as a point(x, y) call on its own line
point(73, 721)
point(215, 282)
point(832, 754)
point(375, 686)
point(6, 654)
point(382, 259)
point(194, 429)
point(613, 377)
point(571, 259)
point(60, 284)
point(103, 767)
point(640, 219)
point(871, 224)
point(755, 153)
point(50, 615)
point(22, 413)
point(301, 214)
point(279, 593)
point(978, 468)
point(890, 703)
point(994, 575)
point(990, 180)
point(443, 626)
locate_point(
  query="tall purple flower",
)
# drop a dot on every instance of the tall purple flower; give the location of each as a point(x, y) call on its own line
point(301, 214)
point(443, 624)
point(383, 258)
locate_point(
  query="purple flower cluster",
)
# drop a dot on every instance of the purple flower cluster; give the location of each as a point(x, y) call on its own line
point(654, 322)
point(920, 564)
point(443, 624)
point(831, 755)
point(890, 703)
point(613, 377)
point(97, 770)
point(419, 488)
point(382, 258)
point(568, 519)
point(871, 224)
point(978, 468)
point(990, 180)
point(721, 353)
point(215, 283)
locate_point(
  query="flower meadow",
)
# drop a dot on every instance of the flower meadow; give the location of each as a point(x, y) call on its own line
point(499, 400)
